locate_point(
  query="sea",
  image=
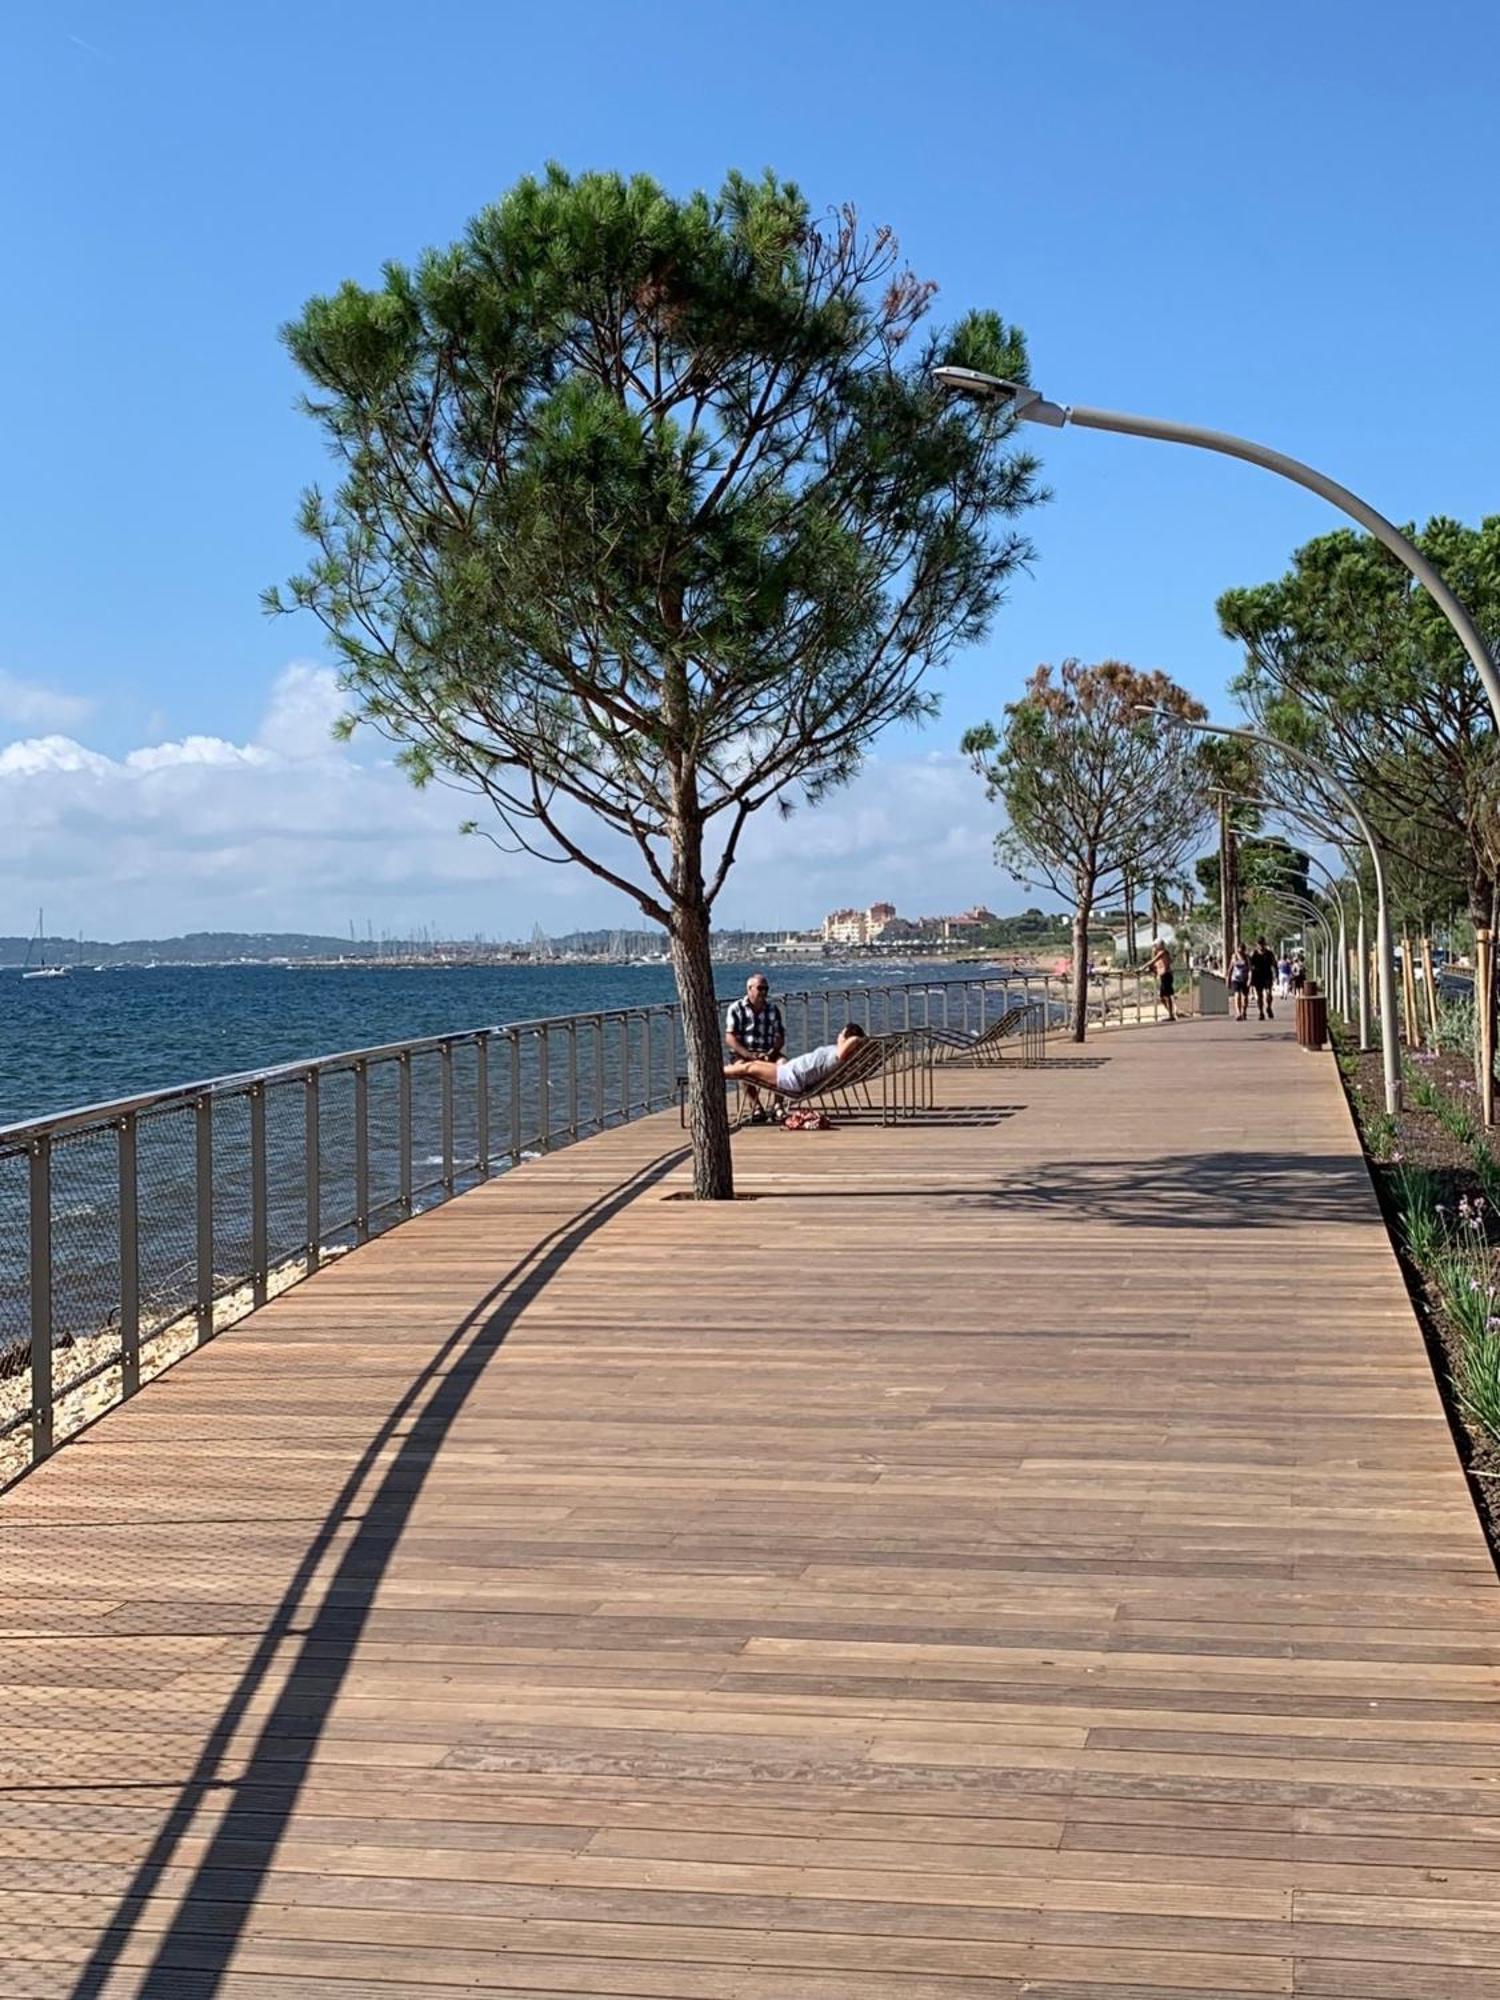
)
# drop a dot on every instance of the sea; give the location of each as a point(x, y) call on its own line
point(94, 1036)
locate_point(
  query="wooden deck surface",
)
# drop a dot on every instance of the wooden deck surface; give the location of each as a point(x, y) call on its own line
point(1018, 1553)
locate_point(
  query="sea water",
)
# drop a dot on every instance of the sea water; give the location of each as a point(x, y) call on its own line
point(100, 1035)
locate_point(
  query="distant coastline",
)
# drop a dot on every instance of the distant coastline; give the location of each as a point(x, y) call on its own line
point(306, 950)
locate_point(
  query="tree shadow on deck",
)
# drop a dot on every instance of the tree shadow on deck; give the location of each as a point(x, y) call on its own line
point(324, 1621)
point(1170, 1191)
point(930, 1114)
point(1224, 1190)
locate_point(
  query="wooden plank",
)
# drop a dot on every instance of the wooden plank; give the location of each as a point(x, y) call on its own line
point(933, 1575)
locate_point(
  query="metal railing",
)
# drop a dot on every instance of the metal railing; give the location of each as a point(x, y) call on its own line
point(134, 1230)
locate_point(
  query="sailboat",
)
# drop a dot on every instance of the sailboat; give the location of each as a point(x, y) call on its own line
point(41, 970)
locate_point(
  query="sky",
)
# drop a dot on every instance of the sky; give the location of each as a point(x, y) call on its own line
point(1277, 220)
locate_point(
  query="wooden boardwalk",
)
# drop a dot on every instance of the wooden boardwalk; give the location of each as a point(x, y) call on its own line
point(1021, 1553)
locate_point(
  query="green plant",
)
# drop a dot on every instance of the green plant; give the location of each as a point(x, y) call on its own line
point(1416, 1204)
point(649, 515)
point(1458, 1119)
point(1487, 1170)
point(1381, 1134)
point(1456, 1026)
point(1424, 1092)
point(1479, 1378)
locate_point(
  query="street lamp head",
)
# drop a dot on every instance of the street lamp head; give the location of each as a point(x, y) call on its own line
point(1025, 402)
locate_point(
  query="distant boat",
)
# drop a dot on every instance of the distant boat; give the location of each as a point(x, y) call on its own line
point(41, 970)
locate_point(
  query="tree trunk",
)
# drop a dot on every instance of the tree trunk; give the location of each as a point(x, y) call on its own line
point(1130, 950)
point(707, 1107)
point(1081, 916)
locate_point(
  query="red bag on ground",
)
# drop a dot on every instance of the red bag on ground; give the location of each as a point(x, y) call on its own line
point(809, 1119)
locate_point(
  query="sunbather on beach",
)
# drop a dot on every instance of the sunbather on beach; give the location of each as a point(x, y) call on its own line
point(802, 1073)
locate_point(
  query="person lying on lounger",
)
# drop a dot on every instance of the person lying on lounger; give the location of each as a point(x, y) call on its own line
point(802, 1073)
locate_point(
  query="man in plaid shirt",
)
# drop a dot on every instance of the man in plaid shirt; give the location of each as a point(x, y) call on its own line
point(755, 1031)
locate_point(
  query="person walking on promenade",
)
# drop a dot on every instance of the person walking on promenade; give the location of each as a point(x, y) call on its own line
point(1283, 977)
point(1161, 965)
point(1263, 979)
point(756, 1033)
point(1237, 974)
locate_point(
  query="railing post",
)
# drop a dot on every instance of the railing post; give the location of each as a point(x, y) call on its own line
point(513, 1036)
point(625, 1067)
point(312, 1155)
point(130, 1260)
point(598, 1072)
point(403, 1130)
point(362, 1152)
point(260, 1257)
point(203, 1179)
point(40, 1190)
point(446, 1059)
point(572, 1077)
point(482, 1105)
point(544, 1088)
point(646, 1054)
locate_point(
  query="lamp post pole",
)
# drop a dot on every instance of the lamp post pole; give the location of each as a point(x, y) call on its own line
point(1341, 985)
point(1390, 1043)
point(1030, 406)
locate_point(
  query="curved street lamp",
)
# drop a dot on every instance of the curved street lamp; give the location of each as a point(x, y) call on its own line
point(1390, 1044)
point(1341, 985)
point(1342, 843)
point(1290, 903)
point(1030, 406)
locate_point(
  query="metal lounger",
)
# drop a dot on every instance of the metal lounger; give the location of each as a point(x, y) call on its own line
point(900, 1064)
point(955, 1045)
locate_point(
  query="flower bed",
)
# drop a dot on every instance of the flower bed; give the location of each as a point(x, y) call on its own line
point(1438, 1175)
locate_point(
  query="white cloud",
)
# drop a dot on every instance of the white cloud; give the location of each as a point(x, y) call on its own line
point(294, 831)
point(28, 706)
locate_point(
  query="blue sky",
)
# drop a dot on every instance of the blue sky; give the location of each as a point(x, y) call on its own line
point(1273, 219)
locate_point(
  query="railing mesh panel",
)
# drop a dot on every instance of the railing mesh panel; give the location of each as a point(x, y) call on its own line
point(166, 1180)
point(426, 1119)
point(15, 1256)
point(85, 1253)
point(286, 1173)
point(384, 1113)
point(336, 1158)
point(465, 1061)
point(231, 1194)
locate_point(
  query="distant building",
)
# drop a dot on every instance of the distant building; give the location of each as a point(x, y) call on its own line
point(879, 928)
point(858, 927)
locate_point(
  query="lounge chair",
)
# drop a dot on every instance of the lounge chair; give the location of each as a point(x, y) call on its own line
point(900, 1064)
point(1026, 1020)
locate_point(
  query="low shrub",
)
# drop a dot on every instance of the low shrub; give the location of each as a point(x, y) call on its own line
point(1456, 1027)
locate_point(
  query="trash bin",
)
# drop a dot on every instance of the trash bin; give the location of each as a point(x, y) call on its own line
point(1312, 1017)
